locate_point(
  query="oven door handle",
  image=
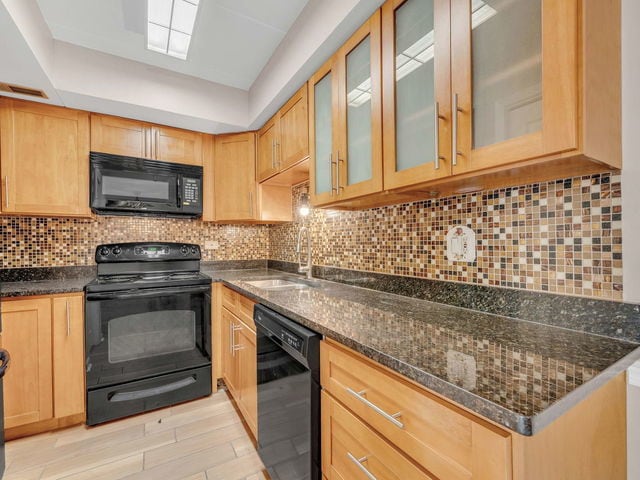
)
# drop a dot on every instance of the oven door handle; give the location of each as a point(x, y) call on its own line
point(147, 292)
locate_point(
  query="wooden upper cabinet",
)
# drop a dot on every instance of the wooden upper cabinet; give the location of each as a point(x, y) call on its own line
point(524, 87)
point(267, 162)
point(68, 355)
point(234, 177)
point(237, 196)
point(120, 136)
point(323, 135)
point(416, 76)
point(177, 146)
point(345, 98)
point(359, 168)
point(475, 95)
point(284, 140)
point(28, 384)
point(44, 159)
point(132, 138)
point(294, 130)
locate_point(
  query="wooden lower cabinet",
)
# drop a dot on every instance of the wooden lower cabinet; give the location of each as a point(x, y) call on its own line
point(247, 375)
point(237, 347)
point(447, 441)
point(68, 356)
point(26, 334)
point(352, 450)
point(230, 368)
point(390, 425)
point(44, 385)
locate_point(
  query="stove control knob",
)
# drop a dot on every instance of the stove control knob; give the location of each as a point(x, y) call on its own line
point(104, 251)
point(184, 250)
point(117, 250)
point(194, 250)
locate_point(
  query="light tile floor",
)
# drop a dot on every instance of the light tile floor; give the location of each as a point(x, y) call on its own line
point(200, 440)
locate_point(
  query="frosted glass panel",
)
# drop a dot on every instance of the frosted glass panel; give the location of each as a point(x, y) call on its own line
point(324, 134)
point(359, 163)
point(507, 69)
point(415, 97)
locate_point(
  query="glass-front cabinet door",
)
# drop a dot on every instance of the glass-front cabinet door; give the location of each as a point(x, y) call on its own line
point(345, 113)
point(323, 117)
point(416, 91)
point(359, 168)
point(514, 84)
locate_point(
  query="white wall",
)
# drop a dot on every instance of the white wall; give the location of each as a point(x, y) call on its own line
point(631, 200)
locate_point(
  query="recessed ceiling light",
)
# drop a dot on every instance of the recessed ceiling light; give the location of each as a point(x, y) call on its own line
point(170, 26)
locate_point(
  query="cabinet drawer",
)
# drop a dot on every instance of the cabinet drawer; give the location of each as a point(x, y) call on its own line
point(351, 449)
point(447, 441)
point(229, 299)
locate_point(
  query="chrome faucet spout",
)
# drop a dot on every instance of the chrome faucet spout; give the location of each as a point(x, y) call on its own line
point(308, 267)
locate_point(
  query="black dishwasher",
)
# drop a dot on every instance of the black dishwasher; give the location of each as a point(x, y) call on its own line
point(288, 360)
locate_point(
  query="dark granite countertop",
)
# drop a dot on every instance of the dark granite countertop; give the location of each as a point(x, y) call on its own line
point(520, 374)
point(21, 282)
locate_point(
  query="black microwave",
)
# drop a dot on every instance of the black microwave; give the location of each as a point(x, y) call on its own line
point(135, 186)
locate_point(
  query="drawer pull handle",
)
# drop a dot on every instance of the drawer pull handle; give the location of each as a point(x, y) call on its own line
point(358, 462)
point(392, 418)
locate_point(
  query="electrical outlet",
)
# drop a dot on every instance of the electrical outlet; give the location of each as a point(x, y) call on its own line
point(211, 245)
point(461, 369)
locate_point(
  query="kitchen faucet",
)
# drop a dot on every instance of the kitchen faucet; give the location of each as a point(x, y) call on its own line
point(304, 268)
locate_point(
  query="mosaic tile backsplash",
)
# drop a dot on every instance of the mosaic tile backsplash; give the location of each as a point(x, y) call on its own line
point(562, 237)
point(52, 242)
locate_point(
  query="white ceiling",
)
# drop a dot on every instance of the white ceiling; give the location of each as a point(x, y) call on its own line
point(232, 40)
point(247, 57)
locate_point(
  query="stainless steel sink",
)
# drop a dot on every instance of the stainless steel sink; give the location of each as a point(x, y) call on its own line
point(278, 284)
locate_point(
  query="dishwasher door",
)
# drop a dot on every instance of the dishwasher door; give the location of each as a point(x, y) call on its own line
point(288, 398)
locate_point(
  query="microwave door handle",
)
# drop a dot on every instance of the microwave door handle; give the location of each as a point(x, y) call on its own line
point(179, 193)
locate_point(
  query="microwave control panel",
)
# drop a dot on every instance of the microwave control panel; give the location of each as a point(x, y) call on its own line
point(190, 191)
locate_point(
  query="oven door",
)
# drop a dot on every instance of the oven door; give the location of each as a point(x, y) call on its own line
point(137, 334)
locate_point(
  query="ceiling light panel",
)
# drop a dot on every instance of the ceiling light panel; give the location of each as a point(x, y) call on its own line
point(170, 26)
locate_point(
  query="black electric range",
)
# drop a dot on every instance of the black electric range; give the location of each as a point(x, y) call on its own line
point(148, 329)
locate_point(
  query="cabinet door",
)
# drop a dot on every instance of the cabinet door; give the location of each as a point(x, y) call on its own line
point(26, 334)
point(234, 177)
point(294, 130)
point(267, 163)
point(229, 363)
point(68, 356)
point(177, 146)
point(360, 114)
point(416, 91)
point(323, 121)
point(44, 159)
point(120, 136)
point(246, 352)
point(515, 87)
